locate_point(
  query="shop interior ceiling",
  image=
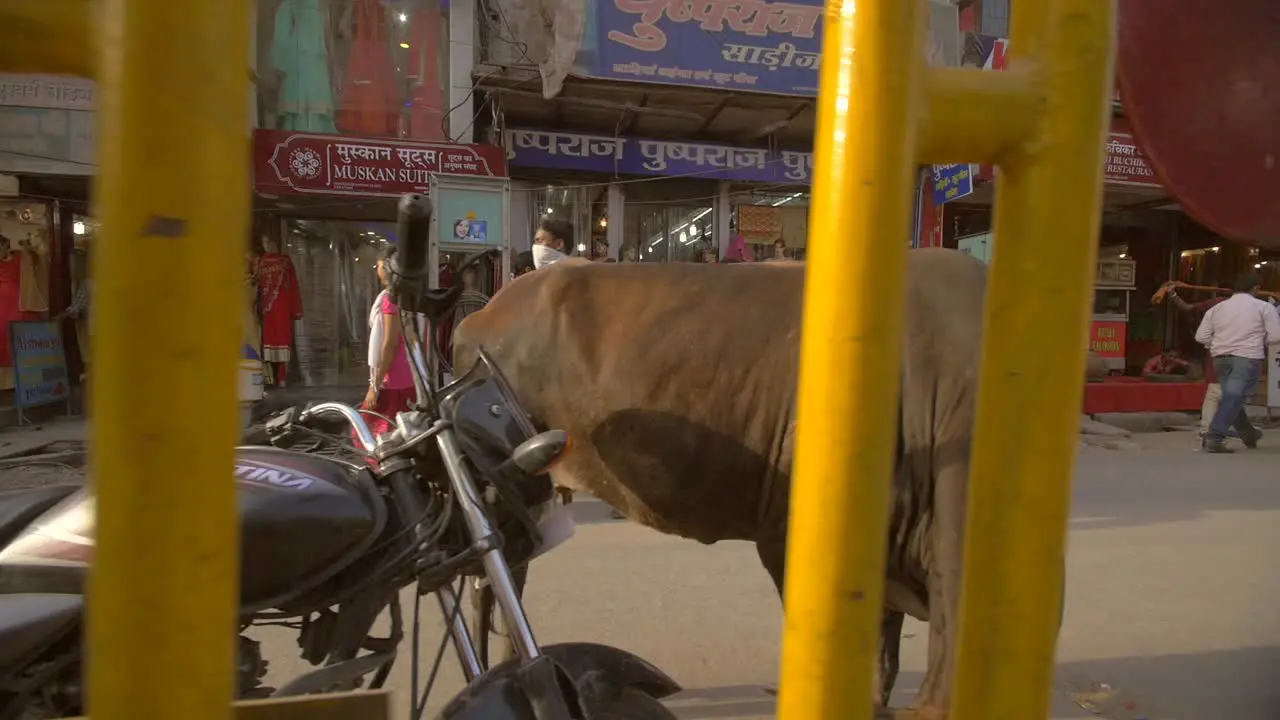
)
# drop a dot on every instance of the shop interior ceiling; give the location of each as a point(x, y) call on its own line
point(328, 207)
point(653, 111)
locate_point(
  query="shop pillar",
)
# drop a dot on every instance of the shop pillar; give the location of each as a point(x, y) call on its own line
point(723, 208)
point(462, 60)
point(615, 206)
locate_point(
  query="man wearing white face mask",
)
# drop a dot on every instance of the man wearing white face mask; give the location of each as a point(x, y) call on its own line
point(552, 241)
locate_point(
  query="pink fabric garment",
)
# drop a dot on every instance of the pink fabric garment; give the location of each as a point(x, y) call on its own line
point(399, 375)
point(737, 249)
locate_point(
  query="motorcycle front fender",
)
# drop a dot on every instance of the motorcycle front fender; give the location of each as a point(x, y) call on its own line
point(593, 669)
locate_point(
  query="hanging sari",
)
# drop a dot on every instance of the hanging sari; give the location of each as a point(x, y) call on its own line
point(370, 100)
point(299, 51)
point(427, 106)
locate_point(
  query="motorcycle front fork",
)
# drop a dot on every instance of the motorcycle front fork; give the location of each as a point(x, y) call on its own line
point(506, 595)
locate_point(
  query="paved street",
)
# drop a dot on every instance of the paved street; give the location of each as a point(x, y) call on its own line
point(1170, 613)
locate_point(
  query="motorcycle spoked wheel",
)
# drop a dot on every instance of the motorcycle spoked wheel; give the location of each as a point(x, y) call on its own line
point(626, 704)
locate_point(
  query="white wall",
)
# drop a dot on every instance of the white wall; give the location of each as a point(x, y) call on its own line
point(462, 61)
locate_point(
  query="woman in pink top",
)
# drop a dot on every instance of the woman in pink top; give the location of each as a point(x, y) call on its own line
point(390, 377)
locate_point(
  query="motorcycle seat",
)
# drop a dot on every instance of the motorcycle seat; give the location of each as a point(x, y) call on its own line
point(29, 622)
point(19, 508)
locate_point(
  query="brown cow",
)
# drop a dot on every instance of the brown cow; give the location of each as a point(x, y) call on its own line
point(678, 384)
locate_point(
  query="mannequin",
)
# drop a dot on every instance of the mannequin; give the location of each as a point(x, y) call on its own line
point(279, 305)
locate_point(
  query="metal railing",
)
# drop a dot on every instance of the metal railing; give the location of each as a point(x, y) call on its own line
point(882, 111)
point(173, 195)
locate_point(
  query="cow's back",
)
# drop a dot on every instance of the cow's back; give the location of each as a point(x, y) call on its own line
point(675, 381)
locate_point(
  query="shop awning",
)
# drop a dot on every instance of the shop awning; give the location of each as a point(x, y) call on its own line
point(1200, 84)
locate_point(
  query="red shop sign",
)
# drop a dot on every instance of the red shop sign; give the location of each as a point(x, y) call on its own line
point(303, 163)
point(1107, 338)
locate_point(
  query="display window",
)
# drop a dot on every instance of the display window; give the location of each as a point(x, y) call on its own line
point(667, 232)
point(26, 229)
point(372, 68)
point(314, 285)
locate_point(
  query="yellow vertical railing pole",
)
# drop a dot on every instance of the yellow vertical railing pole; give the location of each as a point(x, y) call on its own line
point(173, 197)
point(849, 369)
point(1048, 208)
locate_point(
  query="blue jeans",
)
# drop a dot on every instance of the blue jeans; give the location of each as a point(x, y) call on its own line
point(1238, 377)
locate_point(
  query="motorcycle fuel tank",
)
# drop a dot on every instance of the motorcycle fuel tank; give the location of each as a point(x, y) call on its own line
point(300, 516)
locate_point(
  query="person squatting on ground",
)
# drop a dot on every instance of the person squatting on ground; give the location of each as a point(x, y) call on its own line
point(1237, 332)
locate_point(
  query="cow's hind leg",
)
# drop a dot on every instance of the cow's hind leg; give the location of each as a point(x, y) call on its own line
point(887, 663)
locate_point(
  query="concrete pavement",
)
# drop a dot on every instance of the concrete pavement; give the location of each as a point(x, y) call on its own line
point(1170, 610)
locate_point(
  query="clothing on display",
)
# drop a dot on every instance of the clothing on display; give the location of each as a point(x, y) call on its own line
point(299, 51)
point(427, 109)
point(370, 101)
point(280, 304)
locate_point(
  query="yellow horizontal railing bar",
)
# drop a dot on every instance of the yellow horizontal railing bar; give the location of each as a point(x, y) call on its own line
point(850, 356)
point(367, 705)
point(173, 196)
point(1047, 216)
point(978, 116)
point(49, 36)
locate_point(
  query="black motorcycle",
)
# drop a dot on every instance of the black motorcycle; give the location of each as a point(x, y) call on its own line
point(331, 532)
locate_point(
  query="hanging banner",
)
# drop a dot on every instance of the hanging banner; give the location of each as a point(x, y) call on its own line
point(952, 182)
point(758, 46)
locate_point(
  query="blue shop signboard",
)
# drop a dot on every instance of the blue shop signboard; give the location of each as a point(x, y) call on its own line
point(640, 156)
point(753, 45)
point(39, 364)
point(952, 182)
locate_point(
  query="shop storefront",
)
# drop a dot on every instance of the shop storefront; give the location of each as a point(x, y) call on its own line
point(325, 211)
point(26, 235)
point(47, 149)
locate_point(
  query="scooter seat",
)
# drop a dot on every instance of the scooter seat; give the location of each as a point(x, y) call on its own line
point(19, 508)
point(29, 622)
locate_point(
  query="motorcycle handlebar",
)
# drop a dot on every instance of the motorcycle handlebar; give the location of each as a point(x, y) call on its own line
point(414, 229)
point(363, 434)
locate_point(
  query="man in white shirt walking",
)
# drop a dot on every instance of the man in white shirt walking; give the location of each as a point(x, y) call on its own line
point(1237, 332)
